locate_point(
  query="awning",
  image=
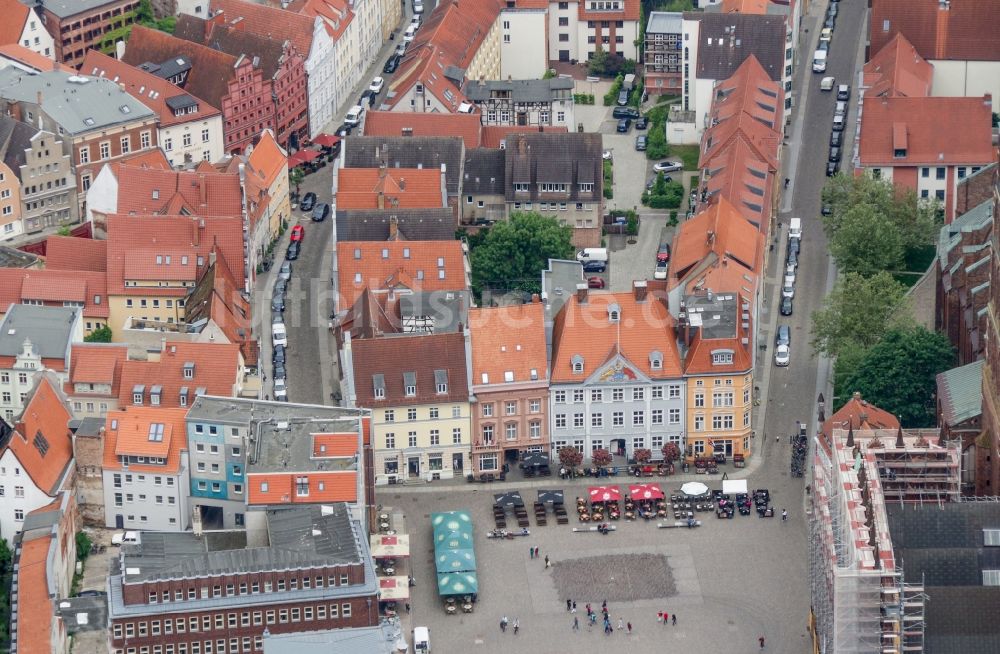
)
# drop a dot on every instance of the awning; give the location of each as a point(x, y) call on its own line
point(301, 157)
point(605, 493)
point(326, 140)
point(508, 500)
point(694, 488)
point(458, 583)
point(553, 496)
point(393, 589)
point(455, 561)
point(452, 521)
point(452, 540)
point(645, 492)
point(535, 460)
point(734, 486)
point(384, 547)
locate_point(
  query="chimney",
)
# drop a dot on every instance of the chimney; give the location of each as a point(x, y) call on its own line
point(482, 80)
point(850, 434)
point(402, 183)
point(211, 257)
point(38, 97)
point(639, 290)
point(535, 298)
point(899, 438)
point(381, 200)
point(856, 395)
point(710, 238)
point(196, 236)
point(581, 293)
point(203, 189)
point(444, 185)
point(382, 171)
point(393, 226)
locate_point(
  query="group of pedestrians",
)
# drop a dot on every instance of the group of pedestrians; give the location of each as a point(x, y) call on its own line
point(504, 622)
point(666, 618)
point(592, 618)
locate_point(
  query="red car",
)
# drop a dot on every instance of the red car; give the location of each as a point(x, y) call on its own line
point(298, 232)
point(595, 282)
point(663, 253)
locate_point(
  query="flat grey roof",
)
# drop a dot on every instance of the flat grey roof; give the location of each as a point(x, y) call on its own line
point(84, 613)
point(665, 22)
point(288, 445)
point(717, 314)
point(48, 328)
point(358, 640)
point(521, 90)
point(78, 103)
point(238, 411)
point(65, 8)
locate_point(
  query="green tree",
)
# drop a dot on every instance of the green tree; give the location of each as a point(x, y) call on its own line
point(513, 253)
point(898, 373)
point(83, 544)
point(857, 312)
point(599, 62)
point(144, 14)
point(867, 241)
point(100, 335)
point(295, 177)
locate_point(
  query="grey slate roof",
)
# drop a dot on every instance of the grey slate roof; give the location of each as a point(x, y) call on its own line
point(238, 411)
point(357, 640)
point(84, 613)
point(484, 172)
point(960, 390)
point(521, 90)
point(413, 224)
point(665, 22)
point(15, 138)
point(66, 8)
point(48, 328)
point(726, 40)
point(962, 620)
point(448, 309)
point(288, 445)
point(560, 158)
point(717, 316)
point(75, 105)
point(14, 258)
point(408, 152)
point(972, 220)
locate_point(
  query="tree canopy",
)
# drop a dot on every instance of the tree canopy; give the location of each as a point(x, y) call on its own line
point(99, 335)
point(858, 312)
point(511, 254)
point(898, 373)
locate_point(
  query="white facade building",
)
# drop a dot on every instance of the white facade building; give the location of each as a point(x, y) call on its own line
point(35, 37)
point(148, 500)
point(523, 36)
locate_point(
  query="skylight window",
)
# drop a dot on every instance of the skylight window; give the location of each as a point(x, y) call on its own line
point(156, 432)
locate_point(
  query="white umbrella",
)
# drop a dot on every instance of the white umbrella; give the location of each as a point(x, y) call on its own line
point(694, 488)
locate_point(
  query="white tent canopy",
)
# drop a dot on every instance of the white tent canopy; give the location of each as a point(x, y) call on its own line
point(694, 488)
point(734, 486)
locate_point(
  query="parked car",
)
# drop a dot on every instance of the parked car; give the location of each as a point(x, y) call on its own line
point(667, 166)
point(595, 282)
point(663, 252)
point(391, 65)
point(831, 22)
point(125, 538)
point(298, 233)
point(624, 125)
point(308, 202)
point(641, 122)
point(400, 50)
point(321, 212)
point(595, 267)
point(607, 155)
point(826, 209)
point(660, 272)
point(844, 92)
point(278, 355)
point(292, 253)
point(827, 83)
point(367, 98)
point(278, 302)
point(640, 143)
point(418, 8)
point(836, 139)
point(623, 97)
point(840, 109)
point(280, 286)
point(831, 9)
point(625, 112)
point(783, 336)
point(838, 123)
point(832, 168)
point(793, 258)
point(285, 272)
point(834, 154)
point(376, 85)
point(781, 356)
point(826, 35)
point(788, 287)
point(823, 46)
point(280, 374)
point(280, 390)
point(786, 306)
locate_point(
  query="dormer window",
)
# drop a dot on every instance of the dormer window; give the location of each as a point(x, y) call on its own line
point(441, 381)
point(722, 357)
point(302, 486)
point(410, 384)
point(656, 360)
point(378, 381)
point(614, 312)
point(154, 395)
point(577, 363)
point(189, 370)
point(137, 392)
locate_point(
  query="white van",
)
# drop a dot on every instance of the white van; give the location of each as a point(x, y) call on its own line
point(592, 254)
point(795, 228)
point(125, 538)
point(411, 31)
point(819, 61)
point(354, 114)
point(421, 640)
point(278, 334)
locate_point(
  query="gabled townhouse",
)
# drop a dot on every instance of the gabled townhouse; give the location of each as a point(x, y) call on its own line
point(217, 312)
point(102, 196)
point(247, 456)
point(956, 38)
point(417, 388)
point(925, 144)
point(281, 65)
point(22, 26)
point(34, 339)
point(525, 102)
point(740, 148)
point(393, 224)
point(510, 385)
point(790, 10)
point(715, 45)
point(146, 472)
point(44, 566)
point(714, 288)
point(36, 455)
point(181, 371)
point(579, 28)
point(484, 187)
point(76, 253)
point(81, 25)
point(235, 85)
point(97, 121)
point(49, 287)
point(391, 188)
point(188, 128)
point(21, 58)
point(616, 378)
point(897, 70)
point(37, 160)
point(458, 42)
point(10, 202)
point(524, 48)
point(95, 372)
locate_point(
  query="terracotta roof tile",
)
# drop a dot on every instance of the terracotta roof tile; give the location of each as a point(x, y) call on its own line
point(217, 369)
point(966, 30)
point(268, 159)
point(717, 233)
point(334, 445)
point(403, 188)
point(739, 176)
point(338, 486)
point(10, 287)
point(128, 431)
point(860, 414)
point(145, 87)
point(420, 355)
point(12, 26)
point(35, 608)
point(70, 253)
point(744, 6)
point(409, 264)
point(151, 191)
point(494, 135)
point(335, 14)
point(394, 123)
point(25, 56)
point(45, 414)
point(217, 298)
point(584, 329)
point(699, 356)
point(276, 24)
point(57, 286)
point(509, 339)
point(939, 131)
point(632, 11)
point(97, 363)
point(898, 70)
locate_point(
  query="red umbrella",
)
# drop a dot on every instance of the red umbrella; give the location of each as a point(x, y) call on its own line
point(301, 157)
point(605, 493)
point(645, 492)
point(326, 140)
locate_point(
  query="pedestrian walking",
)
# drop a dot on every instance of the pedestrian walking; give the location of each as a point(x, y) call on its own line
point(604, 606)
point(628, 626)
point(576, 623)
point(621, 624)
point(659, 616)
point(666, 618)
point(761, 639)
point(503, 623)
point(517, 626)
point(569, 604)
point(589, 611)
point(547, 564)
point(784, 515)
point(531, 552)
point(407, 607)
point(593, 619)
point(574, 606)
point(673, 619)
point(777, 439)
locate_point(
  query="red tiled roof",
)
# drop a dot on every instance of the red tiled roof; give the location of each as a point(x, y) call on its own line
point(939, 131)
point(97, 363)
point(10, 287)
point(508, 339)
point(327, 446)
point(226, 307)
point(35, 610)
point(15, 16)
point(717, 233)
point(860, 414)
point(145, 87)
point(742, 178)
point(402, 123)
point(127, 431)
point(45, 414)
point(402, 188)
point(151, 190)
point(59, 286)
point(584, 329)
point(699, 360)
point(70, 253)
point(745, 6)
point(276, 24)
point(966, 30)
point(632, 11)
point(409, 264)
point(217, 369)
point(27, 57)
point(268, 160)
point(898, 70)
point(338, 486)
point(422, 355)
point(335, 14)
point(493, 135)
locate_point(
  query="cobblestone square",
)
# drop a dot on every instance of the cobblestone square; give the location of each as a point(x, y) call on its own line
point(618, 578)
